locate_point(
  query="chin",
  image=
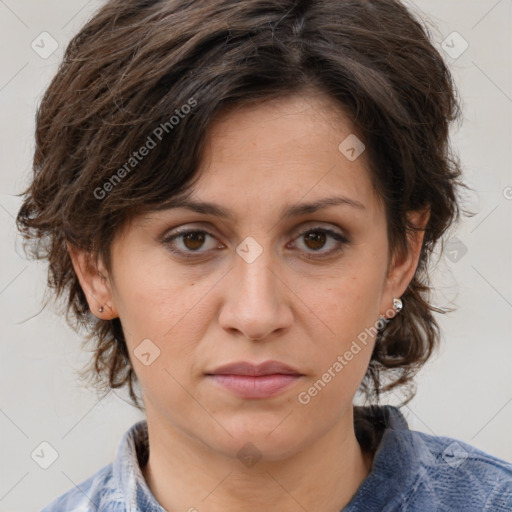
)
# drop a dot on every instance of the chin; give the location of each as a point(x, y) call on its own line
point(259, 443)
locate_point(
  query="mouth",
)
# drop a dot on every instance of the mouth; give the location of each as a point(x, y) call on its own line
point(249, 380)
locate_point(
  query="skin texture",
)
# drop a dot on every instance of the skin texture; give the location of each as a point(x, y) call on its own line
point(290, 304)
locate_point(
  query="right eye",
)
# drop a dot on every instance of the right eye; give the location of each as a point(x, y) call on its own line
point(190, 241)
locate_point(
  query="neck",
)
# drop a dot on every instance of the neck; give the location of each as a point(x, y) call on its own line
point(184, 474)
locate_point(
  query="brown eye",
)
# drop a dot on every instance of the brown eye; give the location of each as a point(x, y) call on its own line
point(315, 239)
point(320, 242)
point(194, 240)
point(186, 243)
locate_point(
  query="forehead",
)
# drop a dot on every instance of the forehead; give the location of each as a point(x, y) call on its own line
point(284, 150)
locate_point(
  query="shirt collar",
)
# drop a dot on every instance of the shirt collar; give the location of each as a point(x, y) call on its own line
point(131, 455)
point(400, 458)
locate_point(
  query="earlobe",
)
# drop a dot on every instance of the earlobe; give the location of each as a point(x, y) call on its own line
point(94, 283)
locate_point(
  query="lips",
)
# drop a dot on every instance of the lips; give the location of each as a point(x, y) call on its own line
point(247, 380)
point(255, 370)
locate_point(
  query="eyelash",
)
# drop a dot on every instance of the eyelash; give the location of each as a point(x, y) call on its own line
point(313, 255)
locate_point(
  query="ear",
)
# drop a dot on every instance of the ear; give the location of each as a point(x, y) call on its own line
point(404, 264)
point(94, 281)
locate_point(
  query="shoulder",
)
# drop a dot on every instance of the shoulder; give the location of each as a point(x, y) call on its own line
point(98, 492)
point(459, 476)
point(417, 472)
point(117, 486)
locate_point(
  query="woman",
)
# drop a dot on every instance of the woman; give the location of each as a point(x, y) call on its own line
point(239, 200)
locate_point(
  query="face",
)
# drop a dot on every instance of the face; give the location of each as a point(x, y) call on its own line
point(267, 281)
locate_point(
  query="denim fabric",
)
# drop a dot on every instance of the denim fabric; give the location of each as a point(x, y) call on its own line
point(417, 472)
point(411, 472)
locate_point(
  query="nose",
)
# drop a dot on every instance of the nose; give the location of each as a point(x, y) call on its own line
point(256, 299)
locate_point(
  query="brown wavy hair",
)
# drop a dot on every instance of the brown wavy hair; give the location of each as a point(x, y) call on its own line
point(137, 64)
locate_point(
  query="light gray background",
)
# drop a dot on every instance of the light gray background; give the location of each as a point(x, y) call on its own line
point(465, 392)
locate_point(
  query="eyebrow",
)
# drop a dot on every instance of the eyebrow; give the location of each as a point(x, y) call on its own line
point(289, 211)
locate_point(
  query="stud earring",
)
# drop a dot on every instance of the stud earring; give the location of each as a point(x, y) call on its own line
point(397, 306)
point(100, 309)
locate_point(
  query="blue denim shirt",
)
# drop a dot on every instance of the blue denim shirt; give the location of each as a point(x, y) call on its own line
point(411, 472)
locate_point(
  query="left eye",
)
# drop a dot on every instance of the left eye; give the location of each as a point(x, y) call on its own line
point(191, 241)
point(316, 239)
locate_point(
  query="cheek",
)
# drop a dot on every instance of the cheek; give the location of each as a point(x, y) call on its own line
point(344, 326)
point(341, 356)
point(164, 314)
point(165, 319)
point(153, 296)
point(347, 303)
